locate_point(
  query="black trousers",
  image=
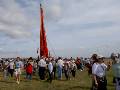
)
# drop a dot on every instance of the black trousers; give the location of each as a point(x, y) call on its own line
point(50, 77)
point(66, 74)
point(102, 84)
point(11, 71)
point(54, 72)
point(73, 73)
point(42, 73)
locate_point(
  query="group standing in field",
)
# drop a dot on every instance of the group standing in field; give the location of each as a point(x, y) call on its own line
point(46, 68)
point(51, 68)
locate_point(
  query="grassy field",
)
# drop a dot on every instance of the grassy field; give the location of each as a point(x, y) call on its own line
point(81, 82)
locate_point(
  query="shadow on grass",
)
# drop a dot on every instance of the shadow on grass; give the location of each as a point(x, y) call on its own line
point(62, 80)
point(78, 87)
point(7, 81)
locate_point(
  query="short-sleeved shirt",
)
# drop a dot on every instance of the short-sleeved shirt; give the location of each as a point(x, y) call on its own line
point(50, 67)
point(42, 63)
point(60, 63)
point(99, 69)
point(116, 70)
point(18, 64)
point(11, 65)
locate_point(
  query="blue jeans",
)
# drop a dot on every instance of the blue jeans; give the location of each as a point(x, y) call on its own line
point(59, 72)
point(29, 76)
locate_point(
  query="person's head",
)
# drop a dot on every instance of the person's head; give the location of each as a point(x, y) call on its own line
point(6, 60)
point(100, 59)
point(18, 59)
point(11, 60)
point(94, 58)
point(116, 60)
point(30, 59)
point(59, 58)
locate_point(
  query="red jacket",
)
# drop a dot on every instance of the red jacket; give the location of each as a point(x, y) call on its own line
point(29, 69)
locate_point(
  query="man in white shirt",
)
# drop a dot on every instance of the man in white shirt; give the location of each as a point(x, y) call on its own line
point(99, 74)
point(42, 67)
point(60, 65)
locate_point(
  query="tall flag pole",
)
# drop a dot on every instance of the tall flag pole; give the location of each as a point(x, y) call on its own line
point(43, 40)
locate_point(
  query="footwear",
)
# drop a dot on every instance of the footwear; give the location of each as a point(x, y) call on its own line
point(17, 82)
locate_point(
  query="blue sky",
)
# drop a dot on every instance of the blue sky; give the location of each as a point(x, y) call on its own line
point(74, 27)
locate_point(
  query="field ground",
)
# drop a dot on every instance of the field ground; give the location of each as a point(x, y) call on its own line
point(81, 82)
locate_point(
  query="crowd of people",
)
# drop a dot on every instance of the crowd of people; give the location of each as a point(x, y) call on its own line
point(46, 68)
point(54, 68)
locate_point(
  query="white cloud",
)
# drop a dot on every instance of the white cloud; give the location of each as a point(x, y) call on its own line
point(74, 27)
point(86, 23)
point(14, 21)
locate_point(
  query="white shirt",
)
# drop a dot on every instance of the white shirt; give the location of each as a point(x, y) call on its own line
point(11, 65)
point(42, 63)
point(73, 66)
point(50, 67)
point(19, 64)
point(99, 69)
point(60, 62)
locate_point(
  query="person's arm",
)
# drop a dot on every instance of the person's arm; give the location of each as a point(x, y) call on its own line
point(107, 67)
point(94, 68)
point(7, 66)
point(95, 80)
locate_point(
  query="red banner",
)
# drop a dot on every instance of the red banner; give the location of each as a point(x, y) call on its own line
point(43, 41)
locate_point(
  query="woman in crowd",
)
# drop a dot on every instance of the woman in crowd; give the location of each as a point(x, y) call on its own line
point(11, 67)
point(73, 68)
point(66, 69)
point(29, 69)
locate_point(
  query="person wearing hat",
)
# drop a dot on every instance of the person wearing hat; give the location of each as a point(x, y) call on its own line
point(99, 74)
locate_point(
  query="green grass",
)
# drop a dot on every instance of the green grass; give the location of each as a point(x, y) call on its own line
point(81, 82)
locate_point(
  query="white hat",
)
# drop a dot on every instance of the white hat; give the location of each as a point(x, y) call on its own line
point(11, 60)
point(100, 56)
